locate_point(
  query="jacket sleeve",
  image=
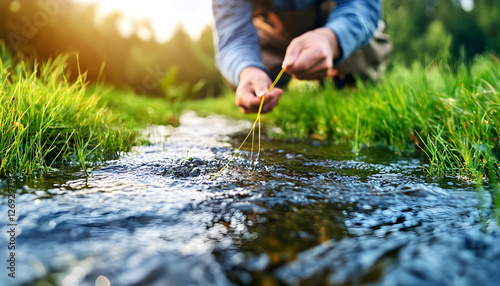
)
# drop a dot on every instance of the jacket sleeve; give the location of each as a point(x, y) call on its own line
point(354, 22)
point(237, 45)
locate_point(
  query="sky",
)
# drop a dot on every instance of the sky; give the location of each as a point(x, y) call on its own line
point(164, 15)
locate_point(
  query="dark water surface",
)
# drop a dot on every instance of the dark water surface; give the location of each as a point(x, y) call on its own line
point(310, 214)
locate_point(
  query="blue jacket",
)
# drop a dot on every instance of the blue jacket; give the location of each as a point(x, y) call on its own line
point(353, 21)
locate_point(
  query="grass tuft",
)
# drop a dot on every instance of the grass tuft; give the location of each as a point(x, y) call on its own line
point(451, 113)
point(46, 118)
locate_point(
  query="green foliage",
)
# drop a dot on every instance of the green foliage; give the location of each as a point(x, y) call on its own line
point(131, 62)
point(453, 114)
point(177, 93)
point(426, 29)
point(137, 110)
point(219, 105)
point(46, 118)
point(140, 111)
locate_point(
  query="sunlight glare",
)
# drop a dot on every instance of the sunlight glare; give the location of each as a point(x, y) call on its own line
point(163, 16)
point(467, 5)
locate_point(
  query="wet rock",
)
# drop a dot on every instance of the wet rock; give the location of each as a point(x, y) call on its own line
point(347, 260)
point(161, 269)
point(195, 172)
point(186, 168)
point(256, 263)
point(448, 260)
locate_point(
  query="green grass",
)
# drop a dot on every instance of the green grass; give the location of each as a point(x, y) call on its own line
point(451, 113)
point(223, 105)
point(142, 110)
point(138, 111)
point(46, 118)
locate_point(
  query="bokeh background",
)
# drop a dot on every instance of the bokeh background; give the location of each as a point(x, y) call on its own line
point(146, 45)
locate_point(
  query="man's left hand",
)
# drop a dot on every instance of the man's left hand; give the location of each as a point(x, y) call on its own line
point(310, 55)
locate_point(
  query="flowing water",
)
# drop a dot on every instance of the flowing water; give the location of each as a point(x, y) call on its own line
point(310, 214)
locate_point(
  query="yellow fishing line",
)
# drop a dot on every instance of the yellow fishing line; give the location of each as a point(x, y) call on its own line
point(252, 131)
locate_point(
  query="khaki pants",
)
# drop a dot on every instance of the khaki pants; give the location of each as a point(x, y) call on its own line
point(276, 29)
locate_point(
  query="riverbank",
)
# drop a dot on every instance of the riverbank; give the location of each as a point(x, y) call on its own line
point(311, 212)
point(451, 113)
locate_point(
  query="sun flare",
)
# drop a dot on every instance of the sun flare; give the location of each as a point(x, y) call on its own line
point(164, 16)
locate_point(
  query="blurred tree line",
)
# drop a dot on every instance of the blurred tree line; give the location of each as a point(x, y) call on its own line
point(444, 29)
point(420, 29)
point(46, 28)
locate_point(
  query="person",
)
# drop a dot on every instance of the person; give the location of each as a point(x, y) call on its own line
point(309, 39)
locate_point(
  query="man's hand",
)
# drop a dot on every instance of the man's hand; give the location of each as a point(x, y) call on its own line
point(254, 83)
point(311, 55)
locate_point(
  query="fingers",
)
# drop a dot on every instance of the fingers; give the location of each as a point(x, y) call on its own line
point(271, 100)
point(291, 55)
point(305, 61)
point(248, 94)
point(310, 64)
point(249, 103)
point(254, 83)
point(317, 72)
point(311, 55)
point(261, 86)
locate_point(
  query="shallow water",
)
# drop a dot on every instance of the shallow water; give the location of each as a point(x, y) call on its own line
point(310, 214)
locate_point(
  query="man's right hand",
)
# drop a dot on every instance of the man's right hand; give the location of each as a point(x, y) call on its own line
point(254, 83)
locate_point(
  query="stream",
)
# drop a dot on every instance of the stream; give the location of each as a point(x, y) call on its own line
point(311, 213)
